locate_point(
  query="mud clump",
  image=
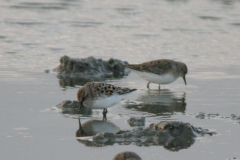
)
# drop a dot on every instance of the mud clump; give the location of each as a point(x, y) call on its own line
point(72, 107)
point(90, 69)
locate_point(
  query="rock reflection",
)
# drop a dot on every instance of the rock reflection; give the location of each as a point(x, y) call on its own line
point(159, 102)
point(72, 107)
point(66, 81)
point(70, 81)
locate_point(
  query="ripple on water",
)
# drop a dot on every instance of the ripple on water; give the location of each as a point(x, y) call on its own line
point(210, 18)
point(127, 11)
point(146, 35)
point(10, 52)
point(124, 26)
point(83, 23)
point(39, 5)
point(235, 24)
point(24, 22)
point(2, 37)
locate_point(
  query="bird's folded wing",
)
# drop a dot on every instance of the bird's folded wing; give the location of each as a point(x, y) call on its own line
point(157, 67)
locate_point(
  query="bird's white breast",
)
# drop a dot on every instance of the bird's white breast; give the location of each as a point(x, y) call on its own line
point(106, 102)
point(155, 78)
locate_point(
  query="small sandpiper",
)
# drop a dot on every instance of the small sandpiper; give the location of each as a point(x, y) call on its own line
point(101, 95)
point(162, 71)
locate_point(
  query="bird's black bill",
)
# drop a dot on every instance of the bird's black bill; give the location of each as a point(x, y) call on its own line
point(185, 80)
point(80, 106)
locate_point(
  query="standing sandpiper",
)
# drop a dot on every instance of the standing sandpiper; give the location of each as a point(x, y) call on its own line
point(101, 95)
point(162, 71)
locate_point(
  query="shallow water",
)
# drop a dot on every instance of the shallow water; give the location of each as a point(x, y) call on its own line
point(35, 34)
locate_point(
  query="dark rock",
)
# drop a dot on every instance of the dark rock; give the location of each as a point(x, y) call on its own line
point(128, 135)
point(149, 132)
point(90, 69)
point(176, 128)
point(136, 121)
point(121, 131)
point(72, 107)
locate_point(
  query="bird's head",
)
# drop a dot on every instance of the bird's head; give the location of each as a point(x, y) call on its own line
point(82, 95)
point(183, 71)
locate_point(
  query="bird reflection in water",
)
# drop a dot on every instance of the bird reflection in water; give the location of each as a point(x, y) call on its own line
point(91, 128)
point(172, 135)
point(163, 102)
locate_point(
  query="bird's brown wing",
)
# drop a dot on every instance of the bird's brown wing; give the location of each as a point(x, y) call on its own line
point(161, 66)
point(103, 89)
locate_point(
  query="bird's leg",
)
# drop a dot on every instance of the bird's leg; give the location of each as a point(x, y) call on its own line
point(80, 132)
point(159, 87)
point(148, 85)
point(80, 106)
point(80, 127)
point(104, 114)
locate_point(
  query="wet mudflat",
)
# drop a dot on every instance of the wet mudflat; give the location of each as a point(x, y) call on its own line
point(204, 35)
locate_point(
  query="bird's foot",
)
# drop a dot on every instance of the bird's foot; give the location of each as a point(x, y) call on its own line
point(104, 114)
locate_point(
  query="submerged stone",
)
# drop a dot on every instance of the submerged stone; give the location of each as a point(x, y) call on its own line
point(72, 107)
point(232, 117)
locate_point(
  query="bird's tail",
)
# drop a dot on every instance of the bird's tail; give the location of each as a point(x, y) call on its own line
point(126, 90)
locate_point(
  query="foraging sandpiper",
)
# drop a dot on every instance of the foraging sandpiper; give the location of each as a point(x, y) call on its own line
point(162, 71)
point(101, 95)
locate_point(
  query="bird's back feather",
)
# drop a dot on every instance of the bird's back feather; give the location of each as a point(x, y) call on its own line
point(161, 66)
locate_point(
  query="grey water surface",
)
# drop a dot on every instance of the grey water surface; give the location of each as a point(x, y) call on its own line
point(35, 34)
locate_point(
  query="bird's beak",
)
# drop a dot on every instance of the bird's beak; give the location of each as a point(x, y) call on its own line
point(185, 80)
